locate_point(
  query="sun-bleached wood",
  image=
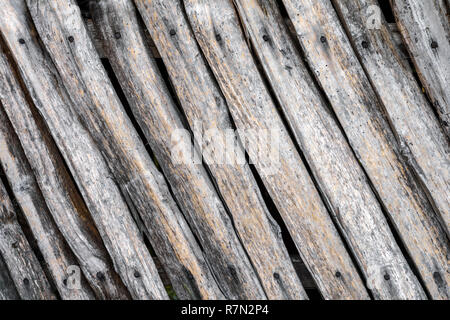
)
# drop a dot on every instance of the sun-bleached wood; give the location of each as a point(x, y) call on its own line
point(100, 109)
point(338, 71)
point(50, 241)
point(204, 106)
point(158, 117)
point(339, 176)
point(217, 30)
point(191, 186)
point(62, 199)
point(25, 270)
point(418, 132)
point(425, 28)
point(110, 213)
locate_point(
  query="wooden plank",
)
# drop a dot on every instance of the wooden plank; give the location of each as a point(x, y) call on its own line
point(339, 73)
point(62, 199)
point(97, 104)
point(416, 129)
point(158, 116)
point(217, 30)
point(50, 241)
point(81, 71)
point(24, 268)
point(131, 258)
point(425, 28)
point(8, 290)
point(337, 171)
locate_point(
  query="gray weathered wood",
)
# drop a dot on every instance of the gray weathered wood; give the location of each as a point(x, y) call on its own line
point(338, 173)
point(8, 290)
point(50, 241)
point(129, 254)
point(24, 268)
point(425, 28)
point(157, 112)
point(62, 199)
point(194, 192)
point(338, 71)
point(417, 130)
point(217, 30)
point(99, 107)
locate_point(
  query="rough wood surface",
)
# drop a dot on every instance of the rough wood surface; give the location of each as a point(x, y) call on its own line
point(192, 188)
point(204, 106)
point(100, 109)
point(51, 243)
point(8, 290)
point(217, 30)
point(338, 173)
point(342, 78)
point(129, 254)
point(24, 268)
point(157, 115)
point(418, 132)
point(62, 199)
point(425, 28)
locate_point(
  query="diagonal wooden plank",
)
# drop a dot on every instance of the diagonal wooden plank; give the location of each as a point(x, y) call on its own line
point(156, 114)
point(217, 30)
point(154, 107)
point(24, 268)
point(425, 28)
point(50, 241)
point(129, 254)
point(418, 132)
point(338, 71)
point(192, 188)
point(101, 110)
point(340, 177)
point(63, 201)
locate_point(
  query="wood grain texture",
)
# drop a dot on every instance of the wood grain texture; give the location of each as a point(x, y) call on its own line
point(337, 171)
point(54, 249)
point(95, 102)
point(129, 254)
point(158, 117)
point(62, 199)
point(425, 28)
point(192, 188)
point(204, 106)
point(339, 73)
point(423, 25)
point(418, 132)
point(24, 268)
point(217, 30)
point(8, 290)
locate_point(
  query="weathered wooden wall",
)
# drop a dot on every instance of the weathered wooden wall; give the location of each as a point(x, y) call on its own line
point(361, 185)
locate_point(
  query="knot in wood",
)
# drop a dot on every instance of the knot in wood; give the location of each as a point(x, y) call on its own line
point(21, 41)
point(434, 44)
point(71, 39)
